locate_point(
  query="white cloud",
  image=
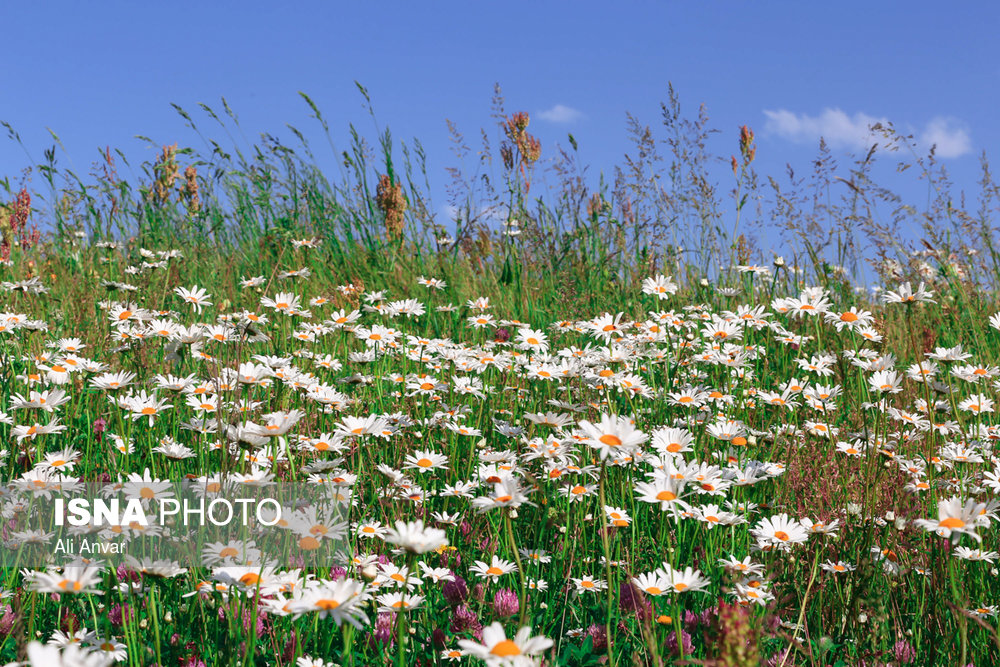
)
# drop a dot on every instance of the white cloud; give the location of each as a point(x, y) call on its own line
point(836, 127)
point(951, 136)
point(561, 113)
point(840, 130)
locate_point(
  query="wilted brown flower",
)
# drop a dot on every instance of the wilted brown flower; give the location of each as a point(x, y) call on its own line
point(518, 122)
point(747, 148)
point(190, 190)
point(596, 205)
point(166, 170)
point(742, 250)
point(20, 210)
point(528, 147)
point(14, 222)
point(392, 203)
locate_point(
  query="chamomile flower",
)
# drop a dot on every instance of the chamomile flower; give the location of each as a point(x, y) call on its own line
point(588, 584)
point(780, 532)
point(665, 492)
point(398, 602)
point(499, 651)
point(906, 295)
point(660, 286)
point(71, 579)
point(688, 580)
point(613, 435)
point(493, 570)
point(415, 537)
point(955, 518)
point(196, 297)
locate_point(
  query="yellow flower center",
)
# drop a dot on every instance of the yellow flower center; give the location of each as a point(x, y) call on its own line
point(505, 648)
point(309, 543)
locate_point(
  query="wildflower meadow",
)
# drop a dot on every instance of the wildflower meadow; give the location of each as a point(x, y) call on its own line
point(575, 424)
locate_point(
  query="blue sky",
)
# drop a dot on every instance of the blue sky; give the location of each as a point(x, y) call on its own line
point(100, 73)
